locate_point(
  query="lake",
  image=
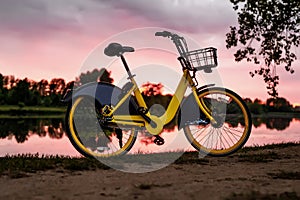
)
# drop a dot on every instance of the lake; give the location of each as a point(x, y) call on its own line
point(47, 136)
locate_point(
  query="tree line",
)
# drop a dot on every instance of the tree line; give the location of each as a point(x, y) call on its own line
point(278, 104)
point(26, 92)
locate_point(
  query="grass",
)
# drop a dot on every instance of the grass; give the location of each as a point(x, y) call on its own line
point(6, 108)
point(11, 111)
point(268, 146)
point(258, 157)
point(250, 154)
point(31, 116)
point(19, 165)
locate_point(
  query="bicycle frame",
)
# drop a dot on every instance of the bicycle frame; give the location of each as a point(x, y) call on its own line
point(139, 120)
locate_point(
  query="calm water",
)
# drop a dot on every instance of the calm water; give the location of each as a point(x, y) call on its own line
point(47, 136)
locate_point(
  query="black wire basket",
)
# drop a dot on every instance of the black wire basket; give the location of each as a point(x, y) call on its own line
point(203, 59)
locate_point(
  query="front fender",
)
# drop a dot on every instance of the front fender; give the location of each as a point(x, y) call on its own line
point(104, 94)
point(189, 109)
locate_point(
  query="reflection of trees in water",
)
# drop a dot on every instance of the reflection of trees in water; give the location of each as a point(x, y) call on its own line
point(273, 123)
point(22, 129)
point(54, 128)
point(270, 123)
point(147, 138)
point(297, 119)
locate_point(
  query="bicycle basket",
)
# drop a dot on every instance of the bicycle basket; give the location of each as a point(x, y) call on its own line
point(203, 59)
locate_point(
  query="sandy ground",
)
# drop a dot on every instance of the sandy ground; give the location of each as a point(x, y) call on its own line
point(216, 178)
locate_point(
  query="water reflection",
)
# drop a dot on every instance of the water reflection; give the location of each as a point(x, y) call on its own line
point(22, 129)
point(273, 123)
point(48, 136)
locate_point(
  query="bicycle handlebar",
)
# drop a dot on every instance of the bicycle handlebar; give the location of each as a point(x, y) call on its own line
point(163, 34)
point(179, 41)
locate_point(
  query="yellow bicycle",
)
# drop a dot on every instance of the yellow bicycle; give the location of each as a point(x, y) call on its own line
point(102, 120)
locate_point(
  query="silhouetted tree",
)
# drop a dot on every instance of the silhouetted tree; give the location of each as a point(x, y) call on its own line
point(1, 81)
point(279, 104)
point(70, 86)
point(43, 87)
point(152, 89)
point(96, 75)
point(57, 86)
point(268, 29)
point(2, 90)
point(248, 100)
point(20, 93)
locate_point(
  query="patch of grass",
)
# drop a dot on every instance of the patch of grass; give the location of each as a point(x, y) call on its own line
point(10, 111)
point(254, 195)
point(258, 157)
point(16, 166)
point(285, 175)
point(32, 116)
point(268, 146)
point(7, 108)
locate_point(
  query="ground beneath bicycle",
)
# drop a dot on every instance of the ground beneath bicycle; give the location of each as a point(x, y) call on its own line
point(264, 173)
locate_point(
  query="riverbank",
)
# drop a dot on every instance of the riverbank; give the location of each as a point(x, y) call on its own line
point(266, 172)
point(12, 111)
point(277, 115)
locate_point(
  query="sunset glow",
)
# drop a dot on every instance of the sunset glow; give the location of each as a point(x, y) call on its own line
point(49, 39)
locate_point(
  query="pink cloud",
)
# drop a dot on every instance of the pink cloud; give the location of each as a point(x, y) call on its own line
point(48, 39)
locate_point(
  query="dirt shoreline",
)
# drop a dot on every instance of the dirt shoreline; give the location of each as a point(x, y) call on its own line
point(268, 173)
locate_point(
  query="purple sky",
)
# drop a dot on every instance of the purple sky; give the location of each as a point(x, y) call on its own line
point(50, 39)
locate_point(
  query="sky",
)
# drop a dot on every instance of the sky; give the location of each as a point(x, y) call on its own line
point(43, 39)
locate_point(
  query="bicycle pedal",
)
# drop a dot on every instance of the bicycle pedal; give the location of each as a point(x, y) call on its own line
point(158, 140)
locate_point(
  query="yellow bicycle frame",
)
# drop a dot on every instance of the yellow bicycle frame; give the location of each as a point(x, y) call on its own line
point(138, 120)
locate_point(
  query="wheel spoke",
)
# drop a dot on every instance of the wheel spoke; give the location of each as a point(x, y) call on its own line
point(201, 131)
point(86, 125)
point(231, 131)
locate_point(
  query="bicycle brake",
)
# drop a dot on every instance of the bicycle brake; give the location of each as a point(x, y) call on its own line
point(158, 140)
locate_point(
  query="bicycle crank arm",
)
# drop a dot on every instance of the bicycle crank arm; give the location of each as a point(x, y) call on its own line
point(153, 124)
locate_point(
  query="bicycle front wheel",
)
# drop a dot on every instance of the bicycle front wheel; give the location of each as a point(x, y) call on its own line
point(232, 128)
point(89, 136)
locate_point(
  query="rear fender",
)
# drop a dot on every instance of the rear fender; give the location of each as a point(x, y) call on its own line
point(104, 94)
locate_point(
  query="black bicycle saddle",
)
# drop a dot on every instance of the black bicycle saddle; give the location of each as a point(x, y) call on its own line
point(115, 49)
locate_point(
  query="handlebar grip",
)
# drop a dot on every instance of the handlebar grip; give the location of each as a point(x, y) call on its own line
point(163, 34)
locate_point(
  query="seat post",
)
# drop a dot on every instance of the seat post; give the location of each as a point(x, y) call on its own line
point(126, 66)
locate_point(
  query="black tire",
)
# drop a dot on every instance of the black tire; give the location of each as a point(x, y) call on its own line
point(90, 138)
point(232, 130)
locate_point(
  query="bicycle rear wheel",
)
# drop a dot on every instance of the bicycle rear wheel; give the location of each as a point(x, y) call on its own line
point(89, 137)
point(233, 126)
